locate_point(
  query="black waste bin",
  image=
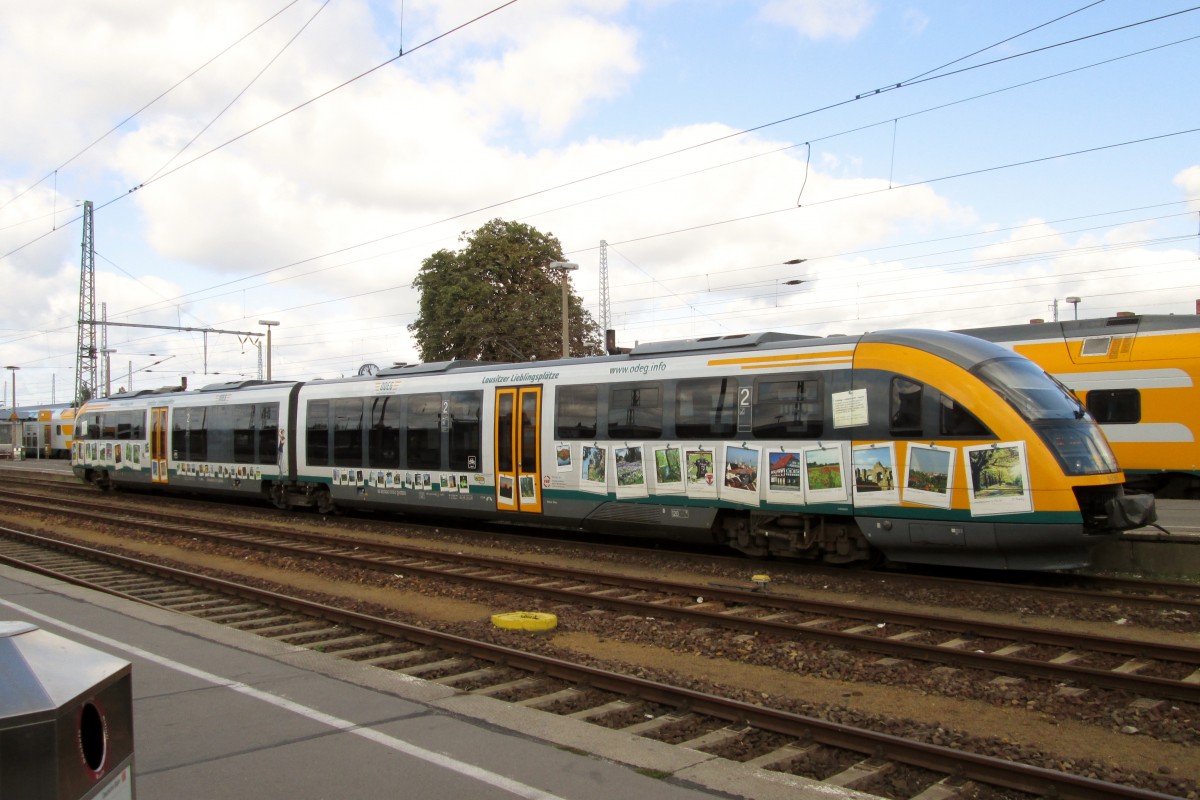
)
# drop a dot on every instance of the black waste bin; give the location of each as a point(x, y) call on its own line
point(66, 719)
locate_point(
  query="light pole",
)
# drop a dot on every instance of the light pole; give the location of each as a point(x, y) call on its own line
point(565, 266)
point(269, 323)
point(13, 370)
point(1074, 301)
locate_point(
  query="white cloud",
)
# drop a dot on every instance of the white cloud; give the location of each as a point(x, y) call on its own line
point(821, 19)
point(1189, 181)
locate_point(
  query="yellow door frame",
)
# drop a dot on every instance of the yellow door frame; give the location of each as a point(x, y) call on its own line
point(158, 444)
point(518, 440)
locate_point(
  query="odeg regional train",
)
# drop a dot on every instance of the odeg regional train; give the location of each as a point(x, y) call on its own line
point(919, 446)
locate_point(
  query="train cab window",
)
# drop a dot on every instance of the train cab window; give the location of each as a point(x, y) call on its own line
point(577, 412)
point(904, 409)
point(635, 412)
point(348, 432)
point(423, 431)
point(955, 420)
point(1115, 406)
point(466, 429)
point(316, 434)
point(706, 408)
point(383, 440)
point(789, 409)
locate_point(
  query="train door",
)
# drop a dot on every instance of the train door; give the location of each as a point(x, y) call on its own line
point(518, 449)
point(158, 444)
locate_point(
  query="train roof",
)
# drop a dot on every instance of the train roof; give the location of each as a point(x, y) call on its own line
point(1077, 328)
point(957, 348)
point(734, 341)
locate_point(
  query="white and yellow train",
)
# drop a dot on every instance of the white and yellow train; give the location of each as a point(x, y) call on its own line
point(923, 446)
point(39, 432)
point(1139, 377)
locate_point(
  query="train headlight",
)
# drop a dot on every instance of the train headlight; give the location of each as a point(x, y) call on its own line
point(1079, 446)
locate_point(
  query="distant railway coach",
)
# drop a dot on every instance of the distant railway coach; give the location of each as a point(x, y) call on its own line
point(1138, 376)
point(920, 446)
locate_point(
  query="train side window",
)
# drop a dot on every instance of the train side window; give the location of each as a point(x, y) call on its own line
point(267, 415)
point(316, 434)
point(188, 439)
point(789, 409)
point(124, 424)
point(706, 408)
point(1115, 406)
point(219, 433)
point(137, 429)
point(466, 429)
point(383, 440)
point(348, 432)
point(423, 431)
point(110, 422)
point(577, 412)
point(241, 419)
point(955, 420)
point(635, 412)
point(904, 411)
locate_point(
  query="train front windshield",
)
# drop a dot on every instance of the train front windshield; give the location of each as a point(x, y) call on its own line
point(1056, 414)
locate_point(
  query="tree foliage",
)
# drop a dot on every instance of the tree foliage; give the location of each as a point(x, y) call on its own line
point(498, 299)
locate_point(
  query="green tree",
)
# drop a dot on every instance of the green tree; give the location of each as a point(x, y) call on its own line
point(498, 299)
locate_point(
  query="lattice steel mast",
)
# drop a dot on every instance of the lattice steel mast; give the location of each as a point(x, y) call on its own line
point(604, 320)
point(85, 356)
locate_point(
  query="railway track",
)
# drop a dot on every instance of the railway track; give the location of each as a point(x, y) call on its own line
point(861, 759)
point(1141, 592)
point(1070, 661)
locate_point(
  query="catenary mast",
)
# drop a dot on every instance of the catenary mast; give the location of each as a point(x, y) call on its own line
point(85, 356)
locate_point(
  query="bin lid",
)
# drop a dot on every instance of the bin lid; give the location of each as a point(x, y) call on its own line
point(41, 672)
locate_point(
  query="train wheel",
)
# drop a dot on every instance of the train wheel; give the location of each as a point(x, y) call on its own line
point(99, 478)
point(278, 496)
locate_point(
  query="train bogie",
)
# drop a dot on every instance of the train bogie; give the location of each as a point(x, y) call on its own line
point(914, 445)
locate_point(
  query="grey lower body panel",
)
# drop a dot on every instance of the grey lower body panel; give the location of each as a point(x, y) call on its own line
point(984, 545)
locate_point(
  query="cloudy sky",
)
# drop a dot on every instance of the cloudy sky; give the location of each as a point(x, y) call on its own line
point(935, 163)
